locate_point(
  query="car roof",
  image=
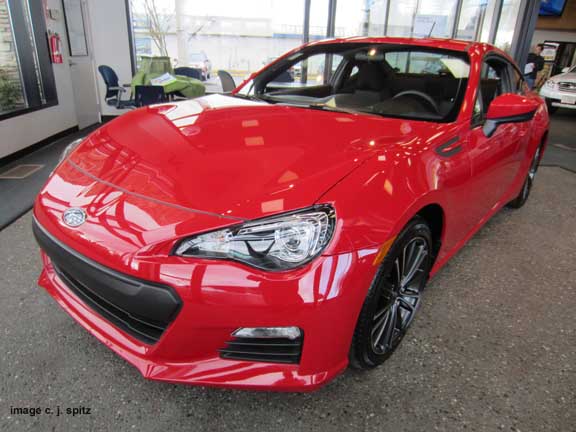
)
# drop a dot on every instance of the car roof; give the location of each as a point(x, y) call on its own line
point(450, 44)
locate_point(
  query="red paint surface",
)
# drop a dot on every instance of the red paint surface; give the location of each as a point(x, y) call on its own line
point(158, 174)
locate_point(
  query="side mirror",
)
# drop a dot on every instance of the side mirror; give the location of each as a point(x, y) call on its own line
point(508, 108)
point(566, 70)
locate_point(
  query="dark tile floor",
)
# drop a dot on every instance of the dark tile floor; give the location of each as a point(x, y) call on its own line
point(17, 196)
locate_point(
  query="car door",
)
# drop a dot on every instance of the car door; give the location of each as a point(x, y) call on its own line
point(494, 159)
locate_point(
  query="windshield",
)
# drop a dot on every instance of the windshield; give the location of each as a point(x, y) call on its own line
point(380, 79)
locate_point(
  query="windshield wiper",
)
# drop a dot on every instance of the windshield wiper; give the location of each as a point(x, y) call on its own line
point(325, 107)
point(244, 96)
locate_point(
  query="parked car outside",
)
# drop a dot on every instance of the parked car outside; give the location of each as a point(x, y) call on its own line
point(270, 238)
point(200, 60)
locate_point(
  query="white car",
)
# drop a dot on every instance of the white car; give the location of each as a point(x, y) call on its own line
point(200, 61)
point(560, 90)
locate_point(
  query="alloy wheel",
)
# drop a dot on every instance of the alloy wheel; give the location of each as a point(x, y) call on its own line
point(400, 296)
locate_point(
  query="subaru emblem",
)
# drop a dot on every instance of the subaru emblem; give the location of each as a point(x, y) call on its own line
point(74, 217)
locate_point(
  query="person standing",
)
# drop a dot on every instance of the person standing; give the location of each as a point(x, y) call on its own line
point(534, 64)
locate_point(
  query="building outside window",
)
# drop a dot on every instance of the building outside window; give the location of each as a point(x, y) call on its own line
point(225, 33)
point(507, 24)
point(26, 75)
point(241, 37)
point(11, 89)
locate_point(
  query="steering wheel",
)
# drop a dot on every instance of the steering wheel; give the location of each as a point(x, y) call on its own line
point(431, 102)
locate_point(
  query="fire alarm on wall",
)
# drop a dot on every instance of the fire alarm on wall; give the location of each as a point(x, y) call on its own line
point(54, 14)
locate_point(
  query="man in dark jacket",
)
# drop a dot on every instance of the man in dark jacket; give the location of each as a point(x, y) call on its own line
point(534, 64)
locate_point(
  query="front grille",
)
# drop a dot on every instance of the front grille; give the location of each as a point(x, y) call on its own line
point(145, 330)
point(142, 309)
point(276, 350)
point(567, 87)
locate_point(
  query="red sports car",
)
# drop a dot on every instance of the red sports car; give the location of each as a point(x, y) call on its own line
point(269, 238)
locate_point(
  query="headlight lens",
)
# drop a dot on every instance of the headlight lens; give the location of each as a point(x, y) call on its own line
point(551, 84)
point(70, 148)
point(276, 243)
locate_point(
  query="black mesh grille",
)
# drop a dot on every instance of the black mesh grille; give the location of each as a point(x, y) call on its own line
point(277, 350)
point(141, 308)
point(146, 331)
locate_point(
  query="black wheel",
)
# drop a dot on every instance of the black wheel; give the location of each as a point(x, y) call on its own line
point(522, 197)
point(394, 296)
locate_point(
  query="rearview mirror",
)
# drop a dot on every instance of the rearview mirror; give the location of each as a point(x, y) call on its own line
point(566, 70)
point(508, 108)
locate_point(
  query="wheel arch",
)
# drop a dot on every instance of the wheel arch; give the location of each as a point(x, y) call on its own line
point(434, 216)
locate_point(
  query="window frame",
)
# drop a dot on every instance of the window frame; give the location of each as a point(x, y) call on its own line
point(29, 46)
point(507, 82)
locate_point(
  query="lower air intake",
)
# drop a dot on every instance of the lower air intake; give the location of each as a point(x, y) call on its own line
point(276, 350)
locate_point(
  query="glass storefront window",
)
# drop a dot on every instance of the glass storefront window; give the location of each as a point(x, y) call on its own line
point(507, 24)
point(11, 88)
point(26, 74)
point(241, 39)
point(472, 19)
point(401, 18)
point(359, 18)
point(435, 18)
point(219, 34)
point(319, 19)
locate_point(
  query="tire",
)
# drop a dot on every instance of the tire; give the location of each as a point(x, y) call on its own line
point(522, 197)
point(376, 335)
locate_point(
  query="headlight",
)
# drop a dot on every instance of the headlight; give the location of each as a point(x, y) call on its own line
point(276, 243)
point(551, 84)
point(70, 148)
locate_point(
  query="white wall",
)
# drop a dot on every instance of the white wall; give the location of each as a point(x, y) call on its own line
point(19, 132)
point(110, 42)
point(109, 39)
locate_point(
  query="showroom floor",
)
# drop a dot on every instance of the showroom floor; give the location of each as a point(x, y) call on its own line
point(492, 348)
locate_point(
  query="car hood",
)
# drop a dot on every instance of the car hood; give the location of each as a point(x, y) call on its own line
point(565, 77)
point(234, 157)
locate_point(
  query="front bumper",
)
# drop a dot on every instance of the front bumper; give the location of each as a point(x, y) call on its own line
point(554, 97)
point(217, 297)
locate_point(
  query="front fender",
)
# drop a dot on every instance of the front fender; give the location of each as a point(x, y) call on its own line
point(377, 200)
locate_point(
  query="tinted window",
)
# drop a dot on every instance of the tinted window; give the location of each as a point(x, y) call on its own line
point(426, 63)
point(310, 71)
point(517, 80)
point(493, 81)
point(412, 82)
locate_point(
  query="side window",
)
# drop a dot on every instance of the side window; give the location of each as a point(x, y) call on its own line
point(311, 70)
point(477, 113)
point(493, 81)
point(425, 63)
point(517, 80)
point(398, 61)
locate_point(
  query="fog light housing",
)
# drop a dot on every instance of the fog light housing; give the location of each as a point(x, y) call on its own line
point(265, 344)
point(291, 333)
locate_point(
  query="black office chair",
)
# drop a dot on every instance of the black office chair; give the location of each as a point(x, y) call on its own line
point(227, 81)
point(148, 95)
point(114, 90)
point(189, 72)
